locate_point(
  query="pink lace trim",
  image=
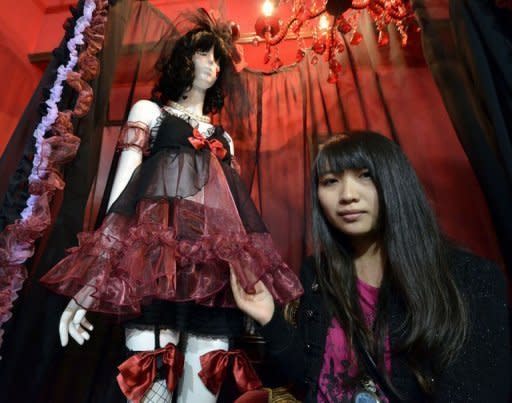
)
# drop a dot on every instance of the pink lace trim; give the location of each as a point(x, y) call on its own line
point(17, 240)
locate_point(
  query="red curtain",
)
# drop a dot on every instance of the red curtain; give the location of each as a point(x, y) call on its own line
point(389, 90)
point(386, 89)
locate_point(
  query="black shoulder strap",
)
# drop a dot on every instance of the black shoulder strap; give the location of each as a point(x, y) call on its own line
point(376, 374)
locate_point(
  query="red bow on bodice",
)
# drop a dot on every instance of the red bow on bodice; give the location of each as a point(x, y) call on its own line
point(138, 372)
point(214, 366)
point(215, 146)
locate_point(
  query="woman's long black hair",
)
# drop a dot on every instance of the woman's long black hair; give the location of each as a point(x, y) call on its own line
point(416, 272)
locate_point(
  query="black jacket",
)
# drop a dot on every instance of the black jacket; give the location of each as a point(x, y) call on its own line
point(479, 374)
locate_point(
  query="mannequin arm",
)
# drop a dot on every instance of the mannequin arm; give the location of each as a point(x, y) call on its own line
point(129, 160)
point(141, 118)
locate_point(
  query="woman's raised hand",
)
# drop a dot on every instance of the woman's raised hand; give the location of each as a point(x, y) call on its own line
point(259, 306)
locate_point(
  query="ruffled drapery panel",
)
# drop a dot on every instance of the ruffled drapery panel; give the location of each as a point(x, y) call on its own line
point(52, 152)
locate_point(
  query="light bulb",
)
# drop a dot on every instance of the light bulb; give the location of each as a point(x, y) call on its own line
point(268, 8)
point(323, 23)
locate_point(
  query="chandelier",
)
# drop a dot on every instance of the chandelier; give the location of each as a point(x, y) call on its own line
point(327, 23)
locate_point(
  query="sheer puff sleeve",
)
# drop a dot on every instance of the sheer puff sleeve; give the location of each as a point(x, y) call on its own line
point(134, 135)
point(135, 132)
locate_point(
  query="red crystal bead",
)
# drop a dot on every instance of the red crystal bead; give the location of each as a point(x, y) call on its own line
point(300, 55)
point(319, 47)
point(335, 66)
point(333, 77)
point(344, 27)
point(383, 38)
point(356, 38)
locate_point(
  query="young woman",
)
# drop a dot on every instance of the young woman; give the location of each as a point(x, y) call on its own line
point(384, 287)
point(178, 219)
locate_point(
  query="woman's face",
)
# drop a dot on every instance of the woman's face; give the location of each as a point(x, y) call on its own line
point(206, 69)
point(350, 202)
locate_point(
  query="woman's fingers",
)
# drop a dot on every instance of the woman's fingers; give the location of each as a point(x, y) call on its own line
point(232, 278)
point(259, 305)
point(261, 288)
point(235, 285)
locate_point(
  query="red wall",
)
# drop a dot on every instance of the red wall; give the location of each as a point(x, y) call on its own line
point(35, 27)
point(19, 28)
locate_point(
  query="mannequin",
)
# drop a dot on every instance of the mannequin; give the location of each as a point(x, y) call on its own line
point(177, 221)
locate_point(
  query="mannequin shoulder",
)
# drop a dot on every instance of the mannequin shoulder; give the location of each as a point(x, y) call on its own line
point(144, 111)
point(228, 138)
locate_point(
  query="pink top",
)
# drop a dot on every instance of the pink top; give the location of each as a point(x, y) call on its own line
point(338, 365)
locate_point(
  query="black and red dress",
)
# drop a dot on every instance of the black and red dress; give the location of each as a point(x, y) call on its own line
point(163, 252)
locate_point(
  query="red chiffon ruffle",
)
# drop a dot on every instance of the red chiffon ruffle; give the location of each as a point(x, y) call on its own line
point(131, 260)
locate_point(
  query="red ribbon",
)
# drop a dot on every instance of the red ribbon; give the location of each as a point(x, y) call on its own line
point(215, 146)
point(214, 366)
point(138, 372)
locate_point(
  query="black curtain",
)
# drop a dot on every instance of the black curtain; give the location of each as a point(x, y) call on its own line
point(16, 161)
point(34, 367)
point(470, 57)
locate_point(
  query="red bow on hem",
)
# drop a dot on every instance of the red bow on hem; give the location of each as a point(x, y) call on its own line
point(214, 366)
point(215, 146)
point(138, 372)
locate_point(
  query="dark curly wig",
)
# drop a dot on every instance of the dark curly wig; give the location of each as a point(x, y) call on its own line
point(176, 69)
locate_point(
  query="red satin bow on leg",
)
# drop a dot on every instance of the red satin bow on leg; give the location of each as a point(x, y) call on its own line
point(214, 366)
point(215, 146)
point(138, 372)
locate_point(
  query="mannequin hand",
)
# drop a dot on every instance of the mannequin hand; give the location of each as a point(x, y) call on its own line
point(74, 323)
point(259, 306)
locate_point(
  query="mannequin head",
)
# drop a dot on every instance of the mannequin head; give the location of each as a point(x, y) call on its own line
point(206, 69)
point(199, 59)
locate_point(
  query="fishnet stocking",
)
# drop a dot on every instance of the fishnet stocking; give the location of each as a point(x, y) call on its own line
point(157, 393)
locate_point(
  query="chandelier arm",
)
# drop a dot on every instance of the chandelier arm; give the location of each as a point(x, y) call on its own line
point(283, 30)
